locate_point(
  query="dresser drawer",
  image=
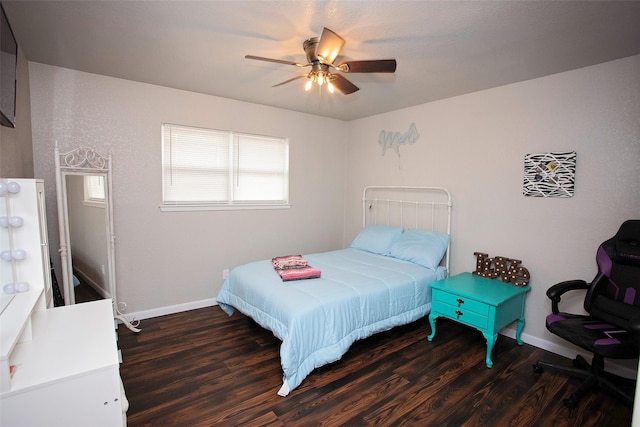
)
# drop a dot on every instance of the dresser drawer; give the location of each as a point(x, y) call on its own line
point(463, 315)
point(467, 304)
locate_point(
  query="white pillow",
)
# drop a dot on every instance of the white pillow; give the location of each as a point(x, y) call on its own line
point(377, 238)
point(425, 248)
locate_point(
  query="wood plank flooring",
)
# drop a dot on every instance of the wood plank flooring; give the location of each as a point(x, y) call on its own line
point(204, 368)
point(85, 293)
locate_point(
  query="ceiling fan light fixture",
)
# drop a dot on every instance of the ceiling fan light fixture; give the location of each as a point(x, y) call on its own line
point(321, 53)
point(320, 78)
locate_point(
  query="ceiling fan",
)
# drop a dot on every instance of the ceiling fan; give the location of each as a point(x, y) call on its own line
point(321, 53)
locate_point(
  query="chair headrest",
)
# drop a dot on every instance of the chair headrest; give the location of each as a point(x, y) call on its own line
point(627, 243)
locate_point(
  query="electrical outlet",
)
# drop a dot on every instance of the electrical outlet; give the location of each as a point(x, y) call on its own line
point(103, 272)
point(225, 273)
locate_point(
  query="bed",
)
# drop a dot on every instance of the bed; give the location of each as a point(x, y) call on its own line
point(380, 281)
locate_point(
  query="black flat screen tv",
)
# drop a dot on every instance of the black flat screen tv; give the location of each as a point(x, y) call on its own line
point(8, 64)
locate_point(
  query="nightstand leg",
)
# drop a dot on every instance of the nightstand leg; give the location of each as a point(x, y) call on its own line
point(432, 322)
point(491, 341)
point(519, 329)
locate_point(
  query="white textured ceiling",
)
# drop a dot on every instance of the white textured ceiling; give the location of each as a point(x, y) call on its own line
point(443, 48)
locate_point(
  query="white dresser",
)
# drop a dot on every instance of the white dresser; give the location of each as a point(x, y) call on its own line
point(68, 373)
point(58, 366)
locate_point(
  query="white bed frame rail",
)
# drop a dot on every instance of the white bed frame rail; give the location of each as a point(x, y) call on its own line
point(424, 208)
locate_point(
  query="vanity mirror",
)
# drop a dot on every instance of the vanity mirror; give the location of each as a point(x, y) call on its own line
point(85, 218)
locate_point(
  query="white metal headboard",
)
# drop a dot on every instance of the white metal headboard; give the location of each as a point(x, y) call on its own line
point(424, 208)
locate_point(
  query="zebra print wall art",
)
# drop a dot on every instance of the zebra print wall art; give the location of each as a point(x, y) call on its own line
point(549, 174)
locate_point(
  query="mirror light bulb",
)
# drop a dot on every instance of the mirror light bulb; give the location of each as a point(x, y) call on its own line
point(15, 221)
point(13, 187)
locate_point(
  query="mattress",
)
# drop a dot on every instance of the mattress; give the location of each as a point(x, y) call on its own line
point(358, 294)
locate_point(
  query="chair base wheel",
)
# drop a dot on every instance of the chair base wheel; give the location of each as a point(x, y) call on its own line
point(538, 369)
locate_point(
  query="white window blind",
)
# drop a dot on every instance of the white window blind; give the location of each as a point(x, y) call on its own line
point(94, 189)
point(205, 167)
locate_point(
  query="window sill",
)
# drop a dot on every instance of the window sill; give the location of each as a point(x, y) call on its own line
point(100, 205)
point(193, 208)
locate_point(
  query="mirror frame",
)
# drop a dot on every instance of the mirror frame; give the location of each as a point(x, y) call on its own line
point(85, 161)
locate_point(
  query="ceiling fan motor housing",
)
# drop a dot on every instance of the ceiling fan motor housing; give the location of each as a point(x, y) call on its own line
point(318, 68)
point(309, 46)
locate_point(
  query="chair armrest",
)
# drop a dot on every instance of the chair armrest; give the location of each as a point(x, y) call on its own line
point(570, 285)
point(556, 291)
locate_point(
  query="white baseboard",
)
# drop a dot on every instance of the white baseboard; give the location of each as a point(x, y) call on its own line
point(163, 311)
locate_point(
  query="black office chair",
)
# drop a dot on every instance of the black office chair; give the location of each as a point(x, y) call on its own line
point(612, 328)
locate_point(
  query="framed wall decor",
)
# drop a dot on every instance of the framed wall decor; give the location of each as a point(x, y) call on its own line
point(549, 174)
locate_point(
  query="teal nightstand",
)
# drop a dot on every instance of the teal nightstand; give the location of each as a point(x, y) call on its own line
point(485, 304)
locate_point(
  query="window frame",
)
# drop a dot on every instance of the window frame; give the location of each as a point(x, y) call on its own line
point(88, 198)
point(229, 203)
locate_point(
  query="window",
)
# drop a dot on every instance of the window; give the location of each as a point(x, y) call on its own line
point(94, 190)
point(208, 169)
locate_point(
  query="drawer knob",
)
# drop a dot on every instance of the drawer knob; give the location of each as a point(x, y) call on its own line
point(458, 314)
point(460, 301)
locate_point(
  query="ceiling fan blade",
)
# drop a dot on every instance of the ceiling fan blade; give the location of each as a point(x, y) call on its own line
point(290, 80)
point(329, 46)
point(277, 61)
point(376, 66)
point(343, 85)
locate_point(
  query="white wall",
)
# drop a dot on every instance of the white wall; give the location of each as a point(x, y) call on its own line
point(171, 258)
point(475, 145)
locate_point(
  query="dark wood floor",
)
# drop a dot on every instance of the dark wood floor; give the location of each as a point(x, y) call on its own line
point(204, 368)
point(85, 293)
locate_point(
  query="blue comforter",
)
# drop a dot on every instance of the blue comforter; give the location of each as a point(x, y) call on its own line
point(317, 320)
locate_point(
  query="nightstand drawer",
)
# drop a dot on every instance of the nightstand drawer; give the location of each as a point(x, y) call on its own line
point(465, 316)
point(461, 302)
